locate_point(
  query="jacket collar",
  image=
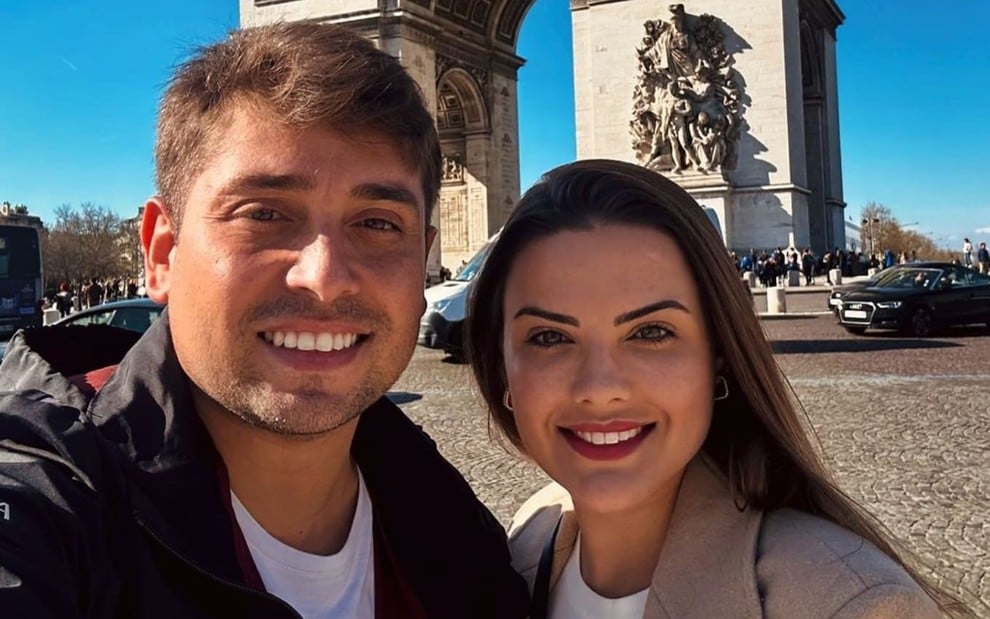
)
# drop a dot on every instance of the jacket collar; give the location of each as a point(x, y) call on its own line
point(710, 546)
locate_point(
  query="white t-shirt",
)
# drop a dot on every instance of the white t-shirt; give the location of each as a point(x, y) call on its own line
point(316, 586)
point(571, 598)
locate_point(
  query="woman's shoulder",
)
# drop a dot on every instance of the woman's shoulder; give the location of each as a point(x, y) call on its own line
point(533, 524)
point(803, 559)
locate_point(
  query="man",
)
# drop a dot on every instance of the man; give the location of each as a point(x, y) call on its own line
point(983, 258)
point(241, 460)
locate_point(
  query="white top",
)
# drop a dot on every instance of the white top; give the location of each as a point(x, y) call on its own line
point(572, 598)
point(316, 586)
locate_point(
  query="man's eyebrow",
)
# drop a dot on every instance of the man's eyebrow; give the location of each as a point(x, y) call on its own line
point(649, 309)
point(264, 180)
point(530, 310)
point(387, 192)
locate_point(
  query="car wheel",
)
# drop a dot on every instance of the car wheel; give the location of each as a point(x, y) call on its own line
point(855, 330)
point(921, 322)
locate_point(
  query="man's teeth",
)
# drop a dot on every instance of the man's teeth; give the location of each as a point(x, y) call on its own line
point(608, 438)
point(307, 340)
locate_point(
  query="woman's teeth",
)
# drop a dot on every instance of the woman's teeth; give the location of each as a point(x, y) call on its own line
point(307, 340)
point(608, 438)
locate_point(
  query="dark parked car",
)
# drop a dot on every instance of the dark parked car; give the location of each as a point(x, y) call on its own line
point(133, 314)
point(839, 292)
point(918, 298)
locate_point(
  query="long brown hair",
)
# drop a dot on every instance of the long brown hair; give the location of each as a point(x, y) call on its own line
point(756, 437)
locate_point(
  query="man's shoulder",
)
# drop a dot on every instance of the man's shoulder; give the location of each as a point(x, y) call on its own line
point(36, 429)
point(804, 561)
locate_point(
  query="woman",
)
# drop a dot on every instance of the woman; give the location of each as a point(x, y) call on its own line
point(614, 346)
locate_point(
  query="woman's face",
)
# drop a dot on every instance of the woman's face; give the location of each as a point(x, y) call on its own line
point(609, 363)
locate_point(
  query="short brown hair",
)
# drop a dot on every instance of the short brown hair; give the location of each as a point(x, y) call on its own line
point(756, 436)
point(304, 73)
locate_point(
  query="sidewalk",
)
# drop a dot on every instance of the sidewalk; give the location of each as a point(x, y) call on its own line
point(819, 286)
point(803, 306)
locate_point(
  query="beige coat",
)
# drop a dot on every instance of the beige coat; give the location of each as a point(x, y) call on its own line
point(720, 562)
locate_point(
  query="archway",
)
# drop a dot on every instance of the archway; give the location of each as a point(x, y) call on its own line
point(464, 127)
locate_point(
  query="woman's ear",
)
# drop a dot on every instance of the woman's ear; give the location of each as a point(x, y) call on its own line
point(158, 239)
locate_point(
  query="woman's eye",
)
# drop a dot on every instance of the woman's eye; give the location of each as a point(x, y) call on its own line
point(652, 333)
point(548, 339)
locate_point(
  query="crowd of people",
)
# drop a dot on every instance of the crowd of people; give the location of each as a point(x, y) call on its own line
point(247, 462)
point(772, 266)
point(74, 296)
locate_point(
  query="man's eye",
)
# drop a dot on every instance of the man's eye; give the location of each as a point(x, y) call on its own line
point(548, 339)
point(263, 214)
point(652, 333)
point(376, 223)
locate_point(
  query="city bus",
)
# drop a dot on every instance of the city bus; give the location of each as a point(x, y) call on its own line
point(21, 282)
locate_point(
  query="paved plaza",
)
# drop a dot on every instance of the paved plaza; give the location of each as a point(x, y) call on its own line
point(903, 422)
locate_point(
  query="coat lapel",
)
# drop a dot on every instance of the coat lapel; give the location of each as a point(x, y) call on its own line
point(708, 564)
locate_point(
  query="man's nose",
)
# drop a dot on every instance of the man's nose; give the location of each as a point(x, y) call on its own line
point(324, 268)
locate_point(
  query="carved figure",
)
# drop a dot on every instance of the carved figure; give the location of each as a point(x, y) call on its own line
point(709, 145)
point(676, 51)
point(451, 169)
point(672, 111)
point(687, 103)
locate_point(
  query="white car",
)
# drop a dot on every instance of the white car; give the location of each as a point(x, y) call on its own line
point(442, 323)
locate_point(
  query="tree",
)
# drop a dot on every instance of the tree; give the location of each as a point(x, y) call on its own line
point(881, 231)
point(85, 243)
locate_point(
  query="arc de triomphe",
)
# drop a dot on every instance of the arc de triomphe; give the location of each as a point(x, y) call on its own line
point(737, 101)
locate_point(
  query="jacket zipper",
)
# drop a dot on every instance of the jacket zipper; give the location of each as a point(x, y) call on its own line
point(210, 575)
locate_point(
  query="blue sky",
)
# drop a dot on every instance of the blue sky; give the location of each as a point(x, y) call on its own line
point(80, 84)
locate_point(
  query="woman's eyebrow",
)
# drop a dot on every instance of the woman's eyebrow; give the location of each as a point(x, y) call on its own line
point(649, 309)
point(530, 310)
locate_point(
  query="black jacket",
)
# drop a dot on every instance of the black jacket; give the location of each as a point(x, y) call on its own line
point(110, 505)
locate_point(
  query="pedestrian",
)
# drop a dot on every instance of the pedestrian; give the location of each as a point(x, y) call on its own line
point(983, 259)
point(63, 300)
point(242, 460)
point(94, 294)
point(967, 251)
point(686, 485)
point(808, 266)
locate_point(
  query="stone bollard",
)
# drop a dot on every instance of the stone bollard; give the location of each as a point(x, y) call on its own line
point(872, 272)
point(793, 279)
point(836, 276)
point(776, 301)
point(50, 316)
point(750, 278)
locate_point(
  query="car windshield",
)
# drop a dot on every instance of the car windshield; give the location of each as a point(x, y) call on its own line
point(910, 278)
point(473, 265)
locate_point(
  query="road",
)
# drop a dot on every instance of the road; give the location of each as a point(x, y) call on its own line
point(903, 423)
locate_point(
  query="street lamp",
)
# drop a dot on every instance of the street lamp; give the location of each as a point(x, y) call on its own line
point(869, 221)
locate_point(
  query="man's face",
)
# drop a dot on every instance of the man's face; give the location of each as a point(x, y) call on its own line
point(295, 284)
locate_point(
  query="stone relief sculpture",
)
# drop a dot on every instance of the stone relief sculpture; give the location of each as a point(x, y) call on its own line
point(451, 169)
point(687, 104)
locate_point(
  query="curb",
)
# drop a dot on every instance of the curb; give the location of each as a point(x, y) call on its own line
point(792, 315)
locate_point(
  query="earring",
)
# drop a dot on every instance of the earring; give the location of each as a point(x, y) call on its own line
point(507, 400)
point(724, 384)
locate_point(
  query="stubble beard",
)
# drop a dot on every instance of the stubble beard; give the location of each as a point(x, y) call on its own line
point(313, 406)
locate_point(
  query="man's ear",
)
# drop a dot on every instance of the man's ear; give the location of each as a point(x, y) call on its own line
point(158, 239)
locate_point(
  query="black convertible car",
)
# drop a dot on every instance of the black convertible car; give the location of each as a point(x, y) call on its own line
point(918, 298)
